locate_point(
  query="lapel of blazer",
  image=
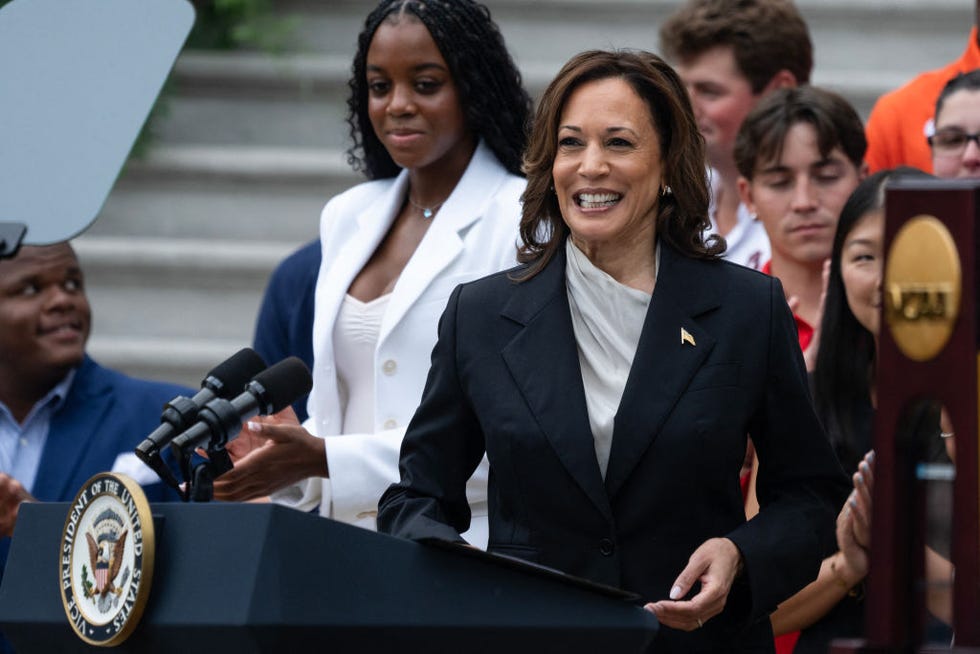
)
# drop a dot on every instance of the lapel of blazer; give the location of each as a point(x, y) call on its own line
point(443, 241)
point(75, 428)
point(664, 364)
point(543, 359)
point(348, 246)
point(351, 252)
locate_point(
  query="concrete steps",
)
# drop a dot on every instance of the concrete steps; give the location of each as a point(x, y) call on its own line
point(172, 308)
point(252, 144)
point(250, 193)
point(291, 100)
point(298, 98)
point(178, 259)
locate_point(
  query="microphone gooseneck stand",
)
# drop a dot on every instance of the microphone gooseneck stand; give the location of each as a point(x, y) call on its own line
point(199, 478)
point(219, 423)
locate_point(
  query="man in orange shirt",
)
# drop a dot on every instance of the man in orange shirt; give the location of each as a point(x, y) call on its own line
point(902, 119)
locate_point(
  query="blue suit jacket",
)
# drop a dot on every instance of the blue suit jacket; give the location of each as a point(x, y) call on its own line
point(506, 380)
point(284, 327)
point(105, 414)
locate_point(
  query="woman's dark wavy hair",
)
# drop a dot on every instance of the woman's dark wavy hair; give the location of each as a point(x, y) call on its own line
point(682, 216)
point(844, 372)
point(496, 106)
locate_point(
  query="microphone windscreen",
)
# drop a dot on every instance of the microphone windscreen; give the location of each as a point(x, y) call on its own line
point(228, 378)
point(285, 382)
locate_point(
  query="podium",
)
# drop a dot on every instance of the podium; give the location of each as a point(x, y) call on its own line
point(249, 578)
point(927, 356)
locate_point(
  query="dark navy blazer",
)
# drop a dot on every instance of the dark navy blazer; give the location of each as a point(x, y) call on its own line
point(505, 380)
point(106, 413)
point(284, 326)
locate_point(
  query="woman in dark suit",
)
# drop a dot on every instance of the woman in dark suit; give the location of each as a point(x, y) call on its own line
point(612, 380)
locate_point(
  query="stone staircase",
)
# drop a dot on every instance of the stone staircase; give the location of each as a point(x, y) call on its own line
point(253, 144)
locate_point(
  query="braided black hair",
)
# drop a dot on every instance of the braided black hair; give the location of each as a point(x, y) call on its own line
point(495, 104)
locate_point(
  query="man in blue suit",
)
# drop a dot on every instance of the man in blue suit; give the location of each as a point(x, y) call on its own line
point(284, 326)
point(63, 417)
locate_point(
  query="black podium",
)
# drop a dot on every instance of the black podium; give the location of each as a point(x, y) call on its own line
point(249, 578)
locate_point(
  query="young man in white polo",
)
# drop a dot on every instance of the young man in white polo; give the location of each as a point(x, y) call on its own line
point(730, 54)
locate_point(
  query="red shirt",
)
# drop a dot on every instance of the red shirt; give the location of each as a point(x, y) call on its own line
point(804, 330)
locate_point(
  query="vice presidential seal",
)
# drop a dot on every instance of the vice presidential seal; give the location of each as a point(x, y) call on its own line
point(106, 559)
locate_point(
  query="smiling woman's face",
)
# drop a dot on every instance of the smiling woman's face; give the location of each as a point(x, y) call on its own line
point(607, 170)
point(861, 261)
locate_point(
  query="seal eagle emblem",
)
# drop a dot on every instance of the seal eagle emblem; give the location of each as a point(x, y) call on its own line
point(106, 549)
point(106, 559)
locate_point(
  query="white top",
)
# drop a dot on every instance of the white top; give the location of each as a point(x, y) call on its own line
point(607, 318)
point(474, 234)
point(355, 337)
point(748, 243)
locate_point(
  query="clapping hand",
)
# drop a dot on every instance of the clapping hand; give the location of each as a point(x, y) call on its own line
point(270, 454)
point(813, 348)
point(854, 520)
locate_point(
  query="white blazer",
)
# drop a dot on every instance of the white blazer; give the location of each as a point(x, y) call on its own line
point(473, 234)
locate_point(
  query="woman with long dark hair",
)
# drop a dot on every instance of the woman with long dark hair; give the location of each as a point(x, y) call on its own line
point(438, 119)
point(844, 391)
point(613, 379)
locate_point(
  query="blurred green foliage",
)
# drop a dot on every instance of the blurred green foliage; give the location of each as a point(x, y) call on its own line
point(236, 24)
point(222, 25)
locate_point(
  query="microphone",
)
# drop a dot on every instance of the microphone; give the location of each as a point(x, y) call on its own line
point(224, 380)
point(270, 391)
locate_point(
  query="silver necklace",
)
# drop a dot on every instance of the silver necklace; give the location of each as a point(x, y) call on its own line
point(427, 212)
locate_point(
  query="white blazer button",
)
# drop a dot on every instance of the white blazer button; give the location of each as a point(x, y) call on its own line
point(389, 367)
point(390, 424)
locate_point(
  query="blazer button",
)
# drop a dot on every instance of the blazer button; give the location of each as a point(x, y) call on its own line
point(389, 367)
point(606, 547)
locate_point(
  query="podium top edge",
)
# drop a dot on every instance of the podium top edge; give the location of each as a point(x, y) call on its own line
point(931, 184)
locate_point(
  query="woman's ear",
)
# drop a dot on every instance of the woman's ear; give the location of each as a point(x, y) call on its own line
point(745, 193)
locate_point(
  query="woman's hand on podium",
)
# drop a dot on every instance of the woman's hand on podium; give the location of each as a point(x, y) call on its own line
point(270, 454)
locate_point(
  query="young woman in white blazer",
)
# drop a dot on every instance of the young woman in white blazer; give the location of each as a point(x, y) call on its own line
point(439, 118)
